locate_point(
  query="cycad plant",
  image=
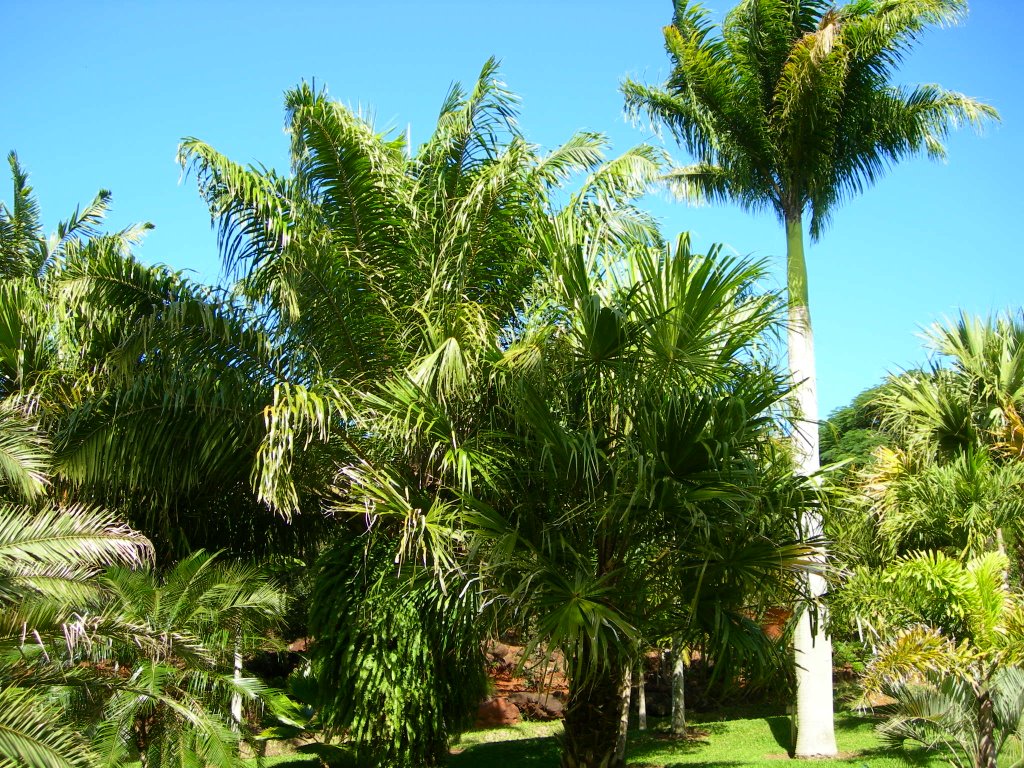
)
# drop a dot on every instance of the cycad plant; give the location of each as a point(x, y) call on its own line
point(174, 642)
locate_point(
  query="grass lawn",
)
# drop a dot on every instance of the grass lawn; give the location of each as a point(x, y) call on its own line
point(740, 740)
point(731, 740)
point(760, 741)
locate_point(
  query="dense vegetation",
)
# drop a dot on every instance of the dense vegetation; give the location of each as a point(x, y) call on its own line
point(468, 391)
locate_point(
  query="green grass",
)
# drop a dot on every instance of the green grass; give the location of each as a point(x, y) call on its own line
point(731, 740)
point(757, 742)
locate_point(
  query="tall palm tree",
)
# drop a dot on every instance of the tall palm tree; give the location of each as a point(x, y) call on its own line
point(386, 271)
point(790, 107)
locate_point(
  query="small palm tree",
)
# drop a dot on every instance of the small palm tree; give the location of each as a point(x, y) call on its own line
point(957, 678)
point(173, 644)
point(49, 560)
point(791, 108)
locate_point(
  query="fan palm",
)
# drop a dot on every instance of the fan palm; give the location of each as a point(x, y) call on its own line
point(791, 109)
point(642, 504)
point(613, 491)
point(970, 396)
point(958, 472)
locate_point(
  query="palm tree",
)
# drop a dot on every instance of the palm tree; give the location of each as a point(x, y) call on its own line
point(441, 319)
point(388, 272)
point(106, 362)
point(790, 108)
point(174, 643)
point(956, 474)
point(617, 490)
point(49, 560)
point(648, 367)
point(955, 665)
point(971, 395)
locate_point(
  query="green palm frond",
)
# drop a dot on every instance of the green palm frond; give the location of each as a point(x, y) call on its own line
point(353, 175)
point(76, 537)
point(24, 453)
point(791, 103)
point(32, 734)
point(22, 245)
point(251, 207)
point(582, 152)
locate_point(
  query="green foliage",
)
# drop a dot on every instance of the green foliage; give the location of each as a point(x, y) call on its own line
point(398, 659)
point(851, 433)
point(107, 363)
point(48, 562)
point(32, 733)
point(789, 106)
point(958, 682)
point(943, 713)
point(180, 637)
point(395, 280)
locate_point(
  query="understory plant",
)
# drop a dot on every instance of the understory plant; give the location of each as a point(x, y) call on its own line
point(957, 682)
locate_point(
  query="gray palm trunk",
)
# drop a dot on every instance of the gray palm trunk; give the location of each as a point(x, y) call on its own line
point(678, 689)
point(812, 647)
point(641, 697)
point(625, 695)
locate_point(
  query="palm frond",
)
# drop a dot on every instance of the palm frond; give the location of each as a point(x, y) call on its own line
point(76, 537)
point(32, 735)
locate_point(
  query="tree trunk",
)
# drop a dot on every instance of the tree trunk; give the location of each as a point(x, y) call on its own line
point(986, 755)
point(625, 695)
point(641, 697)
point(236, 698)
point(812, 647)
point(678, 689)
point(593, 715)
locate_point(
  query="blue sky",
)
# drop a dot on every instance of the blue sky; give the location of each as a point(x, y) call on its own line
point(99, 94)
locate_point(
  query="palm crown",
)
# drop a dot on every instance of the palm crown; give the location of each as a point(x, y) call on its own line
point(791, 107)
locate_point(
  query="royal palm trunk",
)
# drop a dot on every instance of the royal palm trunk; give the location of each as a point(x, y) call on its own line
point(811, 645)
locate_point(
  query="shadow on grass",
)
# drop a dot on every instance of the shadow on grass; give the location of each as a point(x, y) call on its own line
point(851, 721)
point(530, 753)
point(649, 748)
point(916, 757)
point(781, 727)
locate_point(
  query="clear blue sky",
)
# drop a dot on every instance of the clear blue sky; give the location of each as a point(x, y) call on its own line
point(99, 94)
